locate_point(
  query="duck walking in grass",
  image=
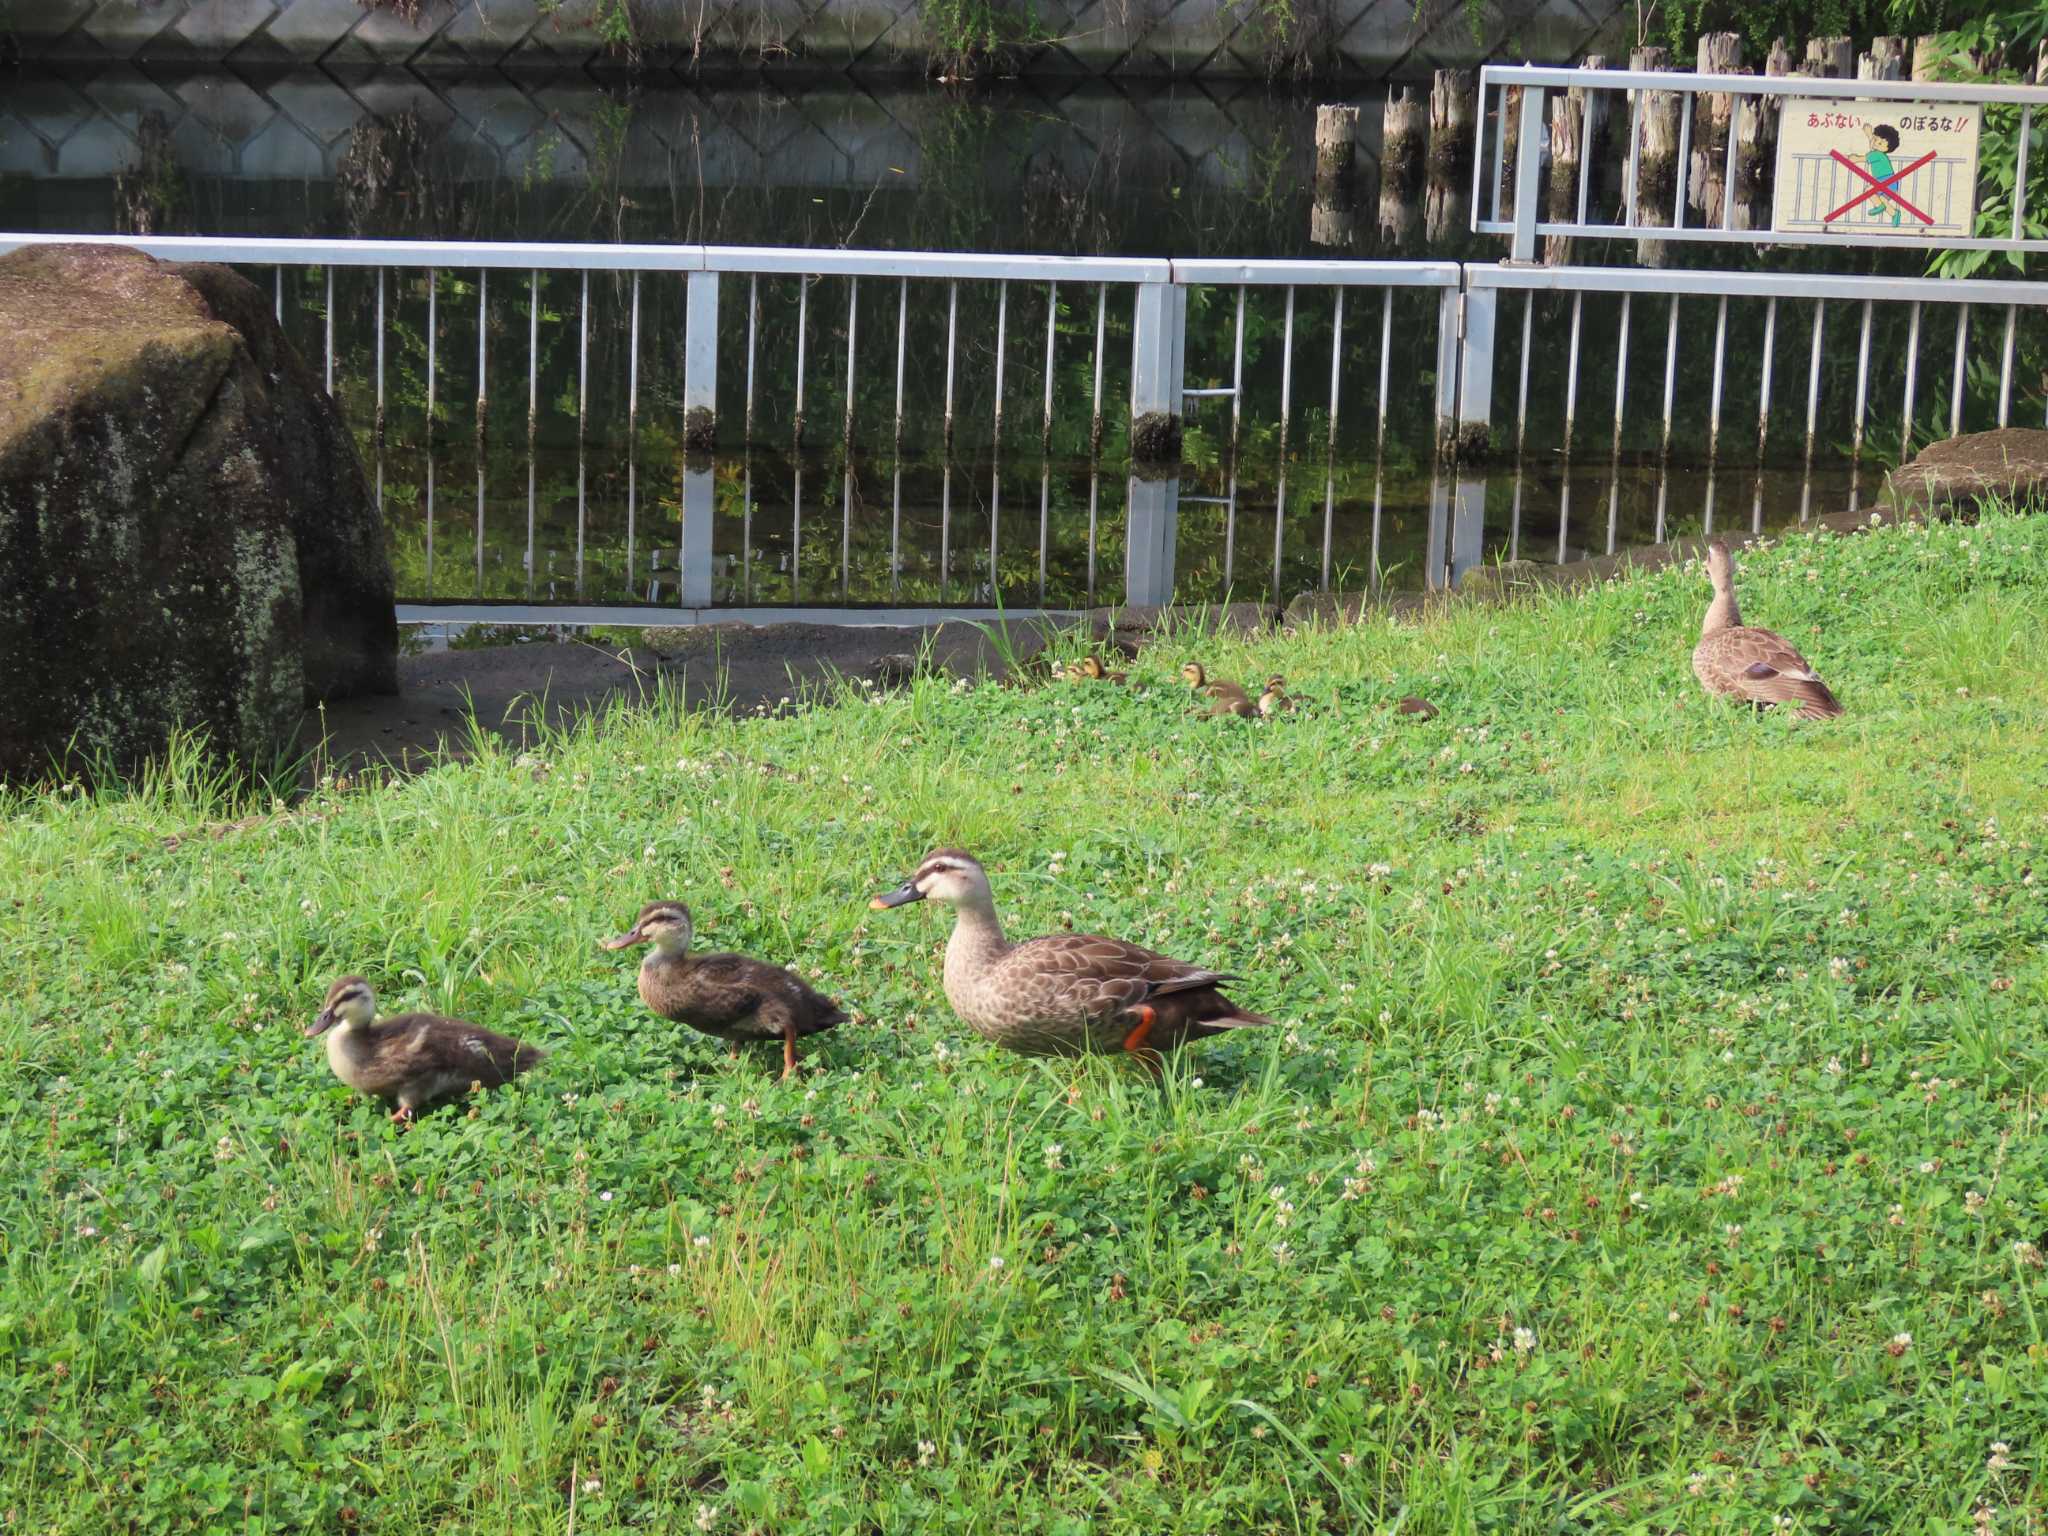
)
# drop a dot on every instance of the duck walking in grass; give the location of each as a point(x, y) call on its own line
point(1067, 994)
point(414, 1058)
point(1224, 698)
point(1749, 663)
point(729, 997)
point(1274, 701)
point(1089, 669)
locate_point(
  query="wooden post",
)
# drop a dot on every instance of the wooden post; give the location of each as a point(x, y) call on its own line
point(1756, 135)
point(1830, 58)
point(1657, 171)
point(1885, 61)
point(1567, 151)
point(1333, 216)
point(1453, 109)
point(1720, 54)
point(2041, 64)
point(1404, 129)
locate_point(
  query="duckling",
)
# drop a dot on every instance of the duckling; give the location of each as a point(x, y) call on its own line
point(1416, 706)
point(729, 997)
point(414, 1058)
point(1274, 700)
point(1089, 670)
point(1749, 663)
point(1069, 993)
point(1224, 698)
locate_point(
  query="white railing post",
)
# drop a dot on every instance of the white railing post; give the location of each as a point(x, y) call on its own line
point(1158, 350)
point(694, 555)
point(1471, 317)
point(700, 370)
point(1528, 173)
point(1151, 525)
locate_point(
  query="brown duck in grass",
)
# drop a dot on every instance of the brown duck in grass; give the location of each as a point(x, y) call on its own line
point(415, 1058)
point(1068, 994)
point(1224, 698)
point(1089, 669)
point(1759, 665)
point(729, 997)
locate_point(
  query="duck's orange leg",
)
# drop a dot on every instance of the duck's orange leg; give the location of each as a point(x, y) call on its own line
point(1146, 1016)
point(788, 1050)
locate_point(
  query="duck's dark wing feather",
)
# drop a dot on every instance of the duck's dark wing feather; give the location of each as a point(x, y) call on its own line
point(1764, 667)
point(1102, 977)
point(418, 1044)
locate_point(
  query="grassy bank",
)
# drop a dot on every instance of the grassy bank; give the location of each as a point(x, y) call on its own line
point(1654, 1141)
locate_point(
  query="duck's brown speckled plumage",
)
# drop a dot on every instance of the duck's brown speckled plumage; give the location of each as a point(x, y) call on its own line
point(413, 1059)
point(1225, 698)
point(730, 997)
point(1069, 993)
point(1760, 665)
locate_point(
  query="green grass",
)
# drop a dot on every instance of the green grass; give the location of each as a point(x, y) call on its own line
point(1649, 1072)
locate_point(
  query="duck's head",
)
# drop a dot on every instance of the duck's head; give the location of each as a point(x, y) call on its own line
point(1275, 683)
point(350, 1002)
point(946, 875)
point(1720, 564)
point(1090, 667)
point(664, 924)
point(1194, 674)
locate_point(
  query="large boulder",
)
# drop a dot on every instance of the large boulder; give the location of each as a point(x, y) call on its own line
point(186, 538)
point(1958, 473)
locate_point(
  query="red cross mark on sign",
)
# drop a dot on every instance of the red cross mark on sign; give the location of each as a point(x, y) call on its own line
point(1888, 187)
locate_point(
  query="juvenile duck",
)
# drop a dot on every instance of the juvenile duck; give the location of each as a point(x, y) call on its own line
point(1069, 993)
point(414, 1058)
point(1274, 701)
point(1749, 663)
point(1224, 698)
point(729, 997)
point(1417, 706)
point(1089, 670)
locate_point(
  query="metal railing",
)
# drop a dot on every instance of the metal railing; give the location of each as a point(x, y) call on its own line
point(1747, 105)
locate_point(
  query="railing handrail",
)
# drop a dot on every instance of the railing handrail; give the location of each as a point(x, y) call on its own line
point(1691, 83)
point(1757, 285)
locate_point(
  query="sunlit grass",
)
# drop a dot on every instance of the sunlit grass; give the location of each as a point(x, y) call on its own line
point(1651, 1139)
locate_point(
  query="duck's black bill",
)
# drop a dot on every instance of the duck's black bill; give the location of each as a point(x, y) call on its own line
point(322, 1023)
point(623, 941)
point(902, 896)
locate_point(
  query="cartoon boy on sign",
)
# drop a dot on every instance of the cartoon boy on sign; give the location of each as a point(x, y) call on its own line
point(1884, 143)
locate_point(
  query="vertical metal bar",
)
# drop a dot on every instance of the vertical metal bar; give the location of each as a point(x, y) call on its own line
point(483, 333)
point(896, 523)
point(277, 291)
point(1813, 380)
point(480, 460)
point(1329, 516)
point(430, 515)
point(952, 324)
point(1685, 107)
point(1094, 490)
point(846, 530)
point(1862, 396)
point(633, 368)
point(902, 336)
point(380, 355)
point(1528, 163)
point(1571, 378)
point(1728, 170)
point(1621, 374)
point(1237, 377)
point(1521, 387)
point(532, 356)
point(1386, 356)
point(330, 333)
point(2019, 185)
point(1500, 151)
point(1912, 378)
point(1336, 361)
point(1955, 398)
point(2012, 314)
point(582, 377)
point(433, 337)
point(1052, 315)
point(753, 319)
point(1102, 322)
point(995, 522)
point(1279, 525)
point(1044, 519)
point(945, 525)
point(1763, 407)
point(852, 325)
point(1514, 517)
point(796, 533)
point(1002, 331)
point(1585, 151)
point(746, 514)
point(1479, 148)
point(1230, 532)
point(803, 316)
point(1670, 377)
point(1286, 371)
point(1720, 368)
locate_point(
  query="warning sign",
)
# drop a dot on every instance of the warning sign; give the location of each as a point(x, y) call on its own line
point(1877, 170)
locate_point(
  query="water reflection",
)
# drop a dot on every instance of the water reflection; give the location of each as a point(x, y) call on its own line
point(687, 535)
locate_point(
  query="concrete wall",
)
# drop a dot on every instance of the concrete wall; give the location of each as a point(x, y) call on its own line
point(1149, 38)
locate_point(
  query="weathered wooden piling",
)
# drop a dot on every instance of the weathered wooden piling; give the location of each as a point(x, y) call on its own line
point(1830, 58)
point(1756, 137)
point(1333, 217)
point(1567, 157)
point(1404, 138)
point(1656, 167)
point(1886, 60)
point(1720, 53)
point(1453, 115)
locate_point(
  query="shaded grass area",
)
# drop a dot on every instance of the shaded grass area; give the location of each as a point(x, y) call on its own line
point(1653, 1140)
